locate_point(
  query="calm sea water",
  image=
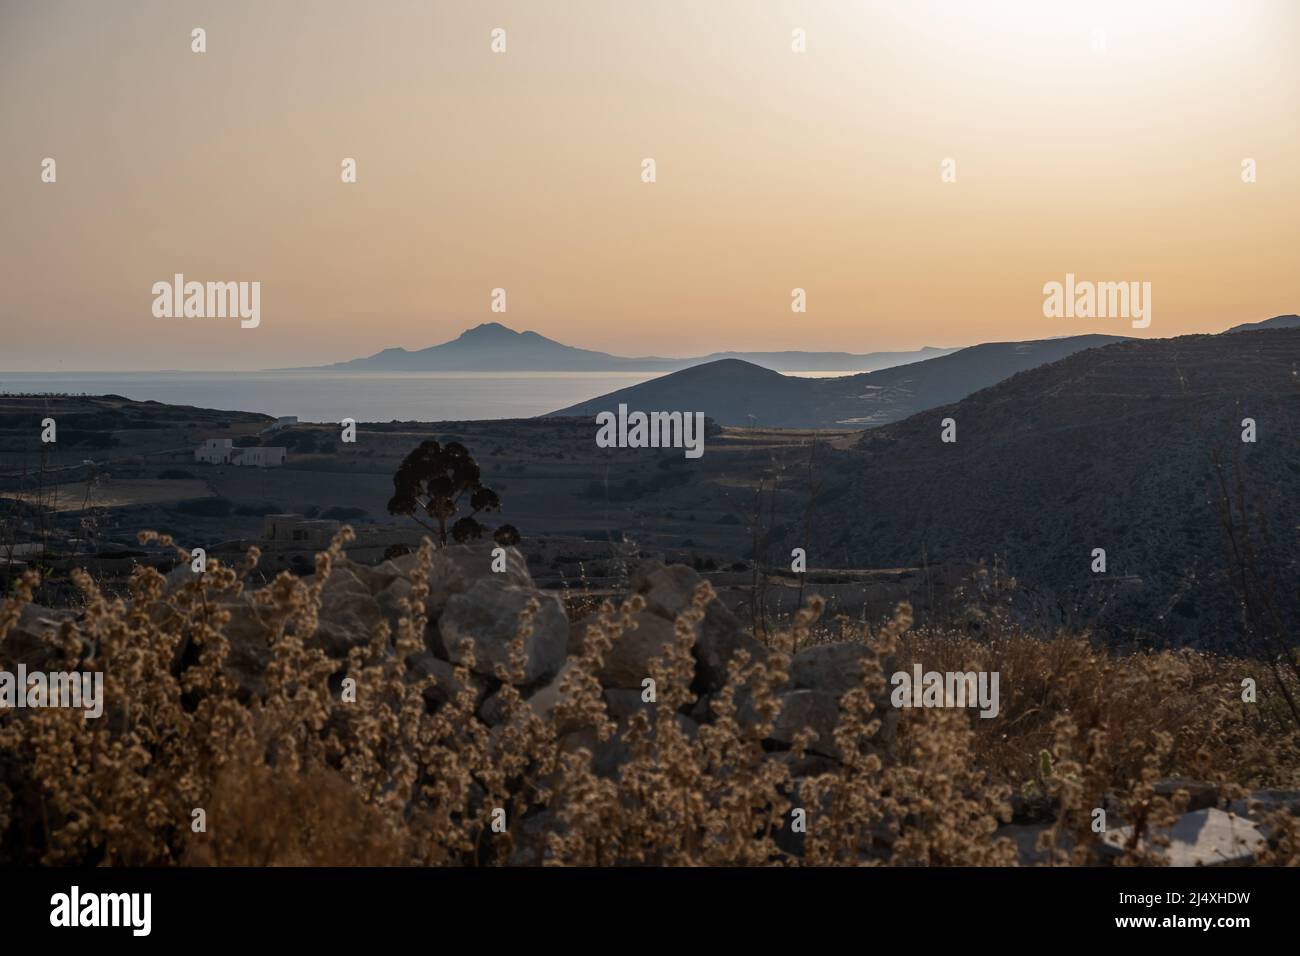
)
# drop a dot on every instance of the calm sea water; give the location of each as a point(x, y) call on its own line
point(331, 396)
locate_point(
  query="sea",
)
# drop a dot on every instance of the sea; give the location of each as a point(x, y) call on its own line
point(315, 396)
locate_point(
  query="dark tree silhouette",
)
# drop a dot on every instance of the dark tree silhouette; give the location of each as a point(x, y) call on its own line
point(436, 480)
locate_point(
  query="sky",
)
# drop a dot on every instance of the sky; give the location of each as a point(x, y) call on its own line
point(1087, 137)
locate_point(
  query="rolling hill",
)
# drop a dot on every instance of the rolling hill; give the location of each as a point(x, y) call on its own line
point(733, 392)
point(1109, 448)
point(492, 347)
point(1277, 322)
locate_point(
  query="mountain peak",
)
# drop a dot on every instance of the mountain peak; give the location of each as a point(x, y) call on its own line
point(490, 330)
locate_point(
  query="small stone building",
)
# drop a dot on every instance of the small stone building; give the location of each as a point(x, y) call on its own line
point(297, 531)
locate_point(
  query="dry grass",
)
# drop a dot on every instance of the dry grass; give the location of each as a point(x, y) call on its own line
point(303, 777)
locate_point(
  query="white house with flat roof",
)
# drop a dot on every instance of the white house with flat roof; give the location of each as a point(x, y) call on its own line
point(260, 456)
point(215, 451)
point(222, 451)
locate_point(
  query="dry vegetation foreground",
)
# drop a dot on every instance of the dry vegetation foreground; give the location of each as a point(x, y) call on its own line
point(431, 710)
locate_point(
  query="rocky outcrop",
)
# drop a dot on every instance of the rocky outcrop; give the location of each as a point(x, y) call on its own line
point(487, 616)
point(669, 590)
point(472, 608)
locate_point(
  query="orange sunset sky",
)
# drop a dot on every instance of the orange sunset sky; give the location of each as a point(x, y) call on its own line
point(521, 170)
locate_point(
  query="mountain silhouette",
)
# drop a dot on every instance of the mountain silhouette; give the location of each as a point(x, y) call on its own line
point(493, 347)
point(732, 392)
point(1277, 322)
point(1109, 448)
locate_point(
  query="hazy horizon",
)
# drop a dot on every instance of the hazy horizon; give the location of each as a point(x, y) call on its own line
point(1101, 139)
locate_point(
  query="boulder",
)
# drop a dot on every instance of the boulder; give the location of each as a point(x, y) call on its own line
point(375, 578)
point(809, 765)
point(457, 568)
point(488, 615)
point(454, 570)
point(389, 600)
point(669, 590)
point(542, 701)
point(578, 634)
point(627, 662)
point(609, 755)
point(1263, 803)
point(836, 668)
point(27, 639)
point(178, 577)
point(817, 709)
point(250, 646)
point(621, 704)
point(1207, 837)
point(1026, 836)
point(1199, 794)
point(349, 615)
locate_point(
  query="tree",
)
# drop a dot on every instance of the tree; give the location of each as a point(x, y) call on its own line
point(436, 481)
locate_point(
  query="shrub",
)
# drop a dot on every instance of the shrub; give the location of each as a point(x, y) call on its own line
point(294, 776)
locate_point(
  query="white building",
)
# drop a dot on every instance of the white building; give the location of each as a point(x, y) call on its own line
point(215, 451)
point(260, 457)
point(222, 451)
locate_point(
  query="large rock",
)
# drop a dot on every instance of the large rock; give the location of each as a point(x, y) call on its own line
point(831, 667)
point(376, 578)
point(178, 577)
point(1261, 804)
point(832, 670)
point(1199, 794)
point(578, 634)
point(250, 646)
point(621, 704)
point(815, 709)
point(488, 615)
point(627, 663)
point(1026, 837)
point(542, 702)
point(669, 590)
point(457, 568)
point(389, 601)
point(801, 708)
point(610, 754)
point(28, 640)
point(1206, 837)
point(349, 615)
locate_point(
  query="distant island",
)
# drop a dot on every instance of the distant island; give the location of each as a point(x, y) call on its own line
point(493, 347)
